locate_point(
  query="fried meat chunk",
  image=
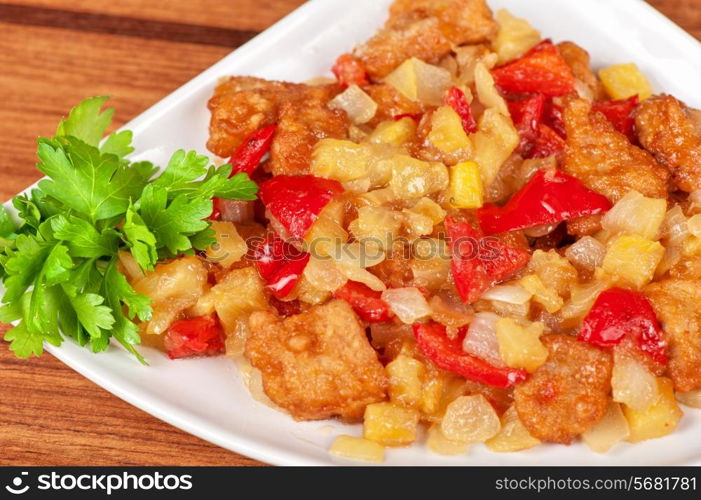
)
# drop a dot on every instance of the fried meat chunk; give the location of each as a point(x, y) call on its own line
point(667, 130)
point(676, 304)
point(426, 29)
point(317, 364)
point(391, 103)
point(303, 120)
point(605, 160)
point(580, 63)
point(568, 394)
point(242, 105)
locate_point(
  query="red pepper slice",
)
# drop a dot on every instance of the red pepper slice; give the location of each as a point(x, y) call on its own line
point(349, 70)
point(620, 114)
point(414, 116)
point(618, 313)
point(252, 150)
point(552, 117)
point(547, 143)
point(188, 338)
point(477, 262)
point(366, 302)
point(455, 98)
point(280, 265)
point(541, 70)
point(296, 201)
point(447, 354)
point(247, 158)
point(549, 197)
point(527, 115)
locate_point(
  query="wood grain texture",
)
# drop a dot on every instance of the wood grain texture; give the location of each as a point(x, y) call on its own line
point(138, 51)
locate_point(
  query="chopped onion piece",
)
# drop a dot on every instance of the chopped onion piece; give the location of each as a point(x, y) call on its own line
point(408, 304)
point(359, 106)
point(636, 214)
point(691, 398)
point(694, 225)
point(586, 253)
point(511, 294)
point(487, 91)
point(481, 339)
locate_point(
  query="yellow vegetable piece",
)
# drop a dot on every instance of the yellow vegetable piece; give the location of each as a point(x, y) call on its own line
point(493, 143)
point(516, 36)
point(420, 81)
point(520, 347)
point(390, 425)
point(394, 132)
point(466, 185)
point(547, 297)
point(340, 159)
point(405, 380)
point(625, 80)
point(431, 394)
point(356, 448)
point(230, 246)
point(633, 259)
point(412, 178)
point(447, 132)
point(658, 420)
point(513, 435)
point(441, 445)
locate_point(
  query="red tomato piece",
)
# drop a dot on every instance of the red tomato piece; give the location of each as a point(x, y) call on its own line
point(366, 302)
point(541, 70)
point(280, 265)
point(549, 197)
point(547, 143)
point(477, 262)
point(447, 354)
point(194, 337)
point(620, 114)
point(527, 115)
point(296, 201)
point(618, 313)
point(456, 99)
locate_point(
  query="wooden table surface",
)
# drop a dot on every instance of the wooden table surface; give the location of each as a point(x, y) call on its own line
point(53, 53)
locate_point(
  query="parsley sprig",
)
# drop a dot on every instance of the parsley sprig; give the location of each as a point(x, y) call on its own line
point(59, 261)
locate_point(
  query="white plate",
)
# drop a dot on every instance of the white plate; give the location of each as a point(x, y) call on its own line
point(206, 397)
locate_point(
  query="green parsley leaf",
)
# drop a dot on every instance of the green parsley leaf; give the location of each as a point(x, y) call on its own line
point(173, 223)
point(96, 185)
point(140, 239)
point(83, 239)
point(86, 122)
point(59, 267)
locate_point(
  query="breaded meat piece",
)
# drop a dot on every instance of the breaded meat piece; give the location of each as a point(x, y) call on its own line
point(580, 63)
point(304, 119)
point(426, 29)
point(317, 364)
point(584, 226)
point(676, 303)
point(390, 103)
point(666, 129)
point(604, 159)
point(240, 106)
point(568, 394)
